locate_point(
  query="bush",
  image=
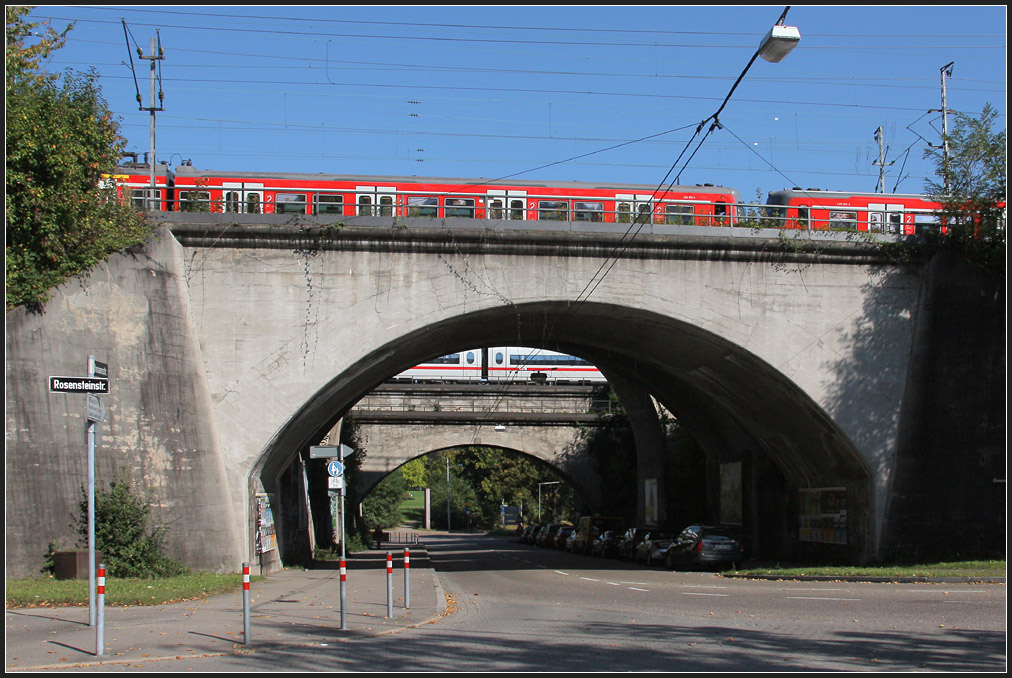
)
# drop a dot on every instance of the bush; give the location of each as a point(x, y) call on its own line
point(130, 546)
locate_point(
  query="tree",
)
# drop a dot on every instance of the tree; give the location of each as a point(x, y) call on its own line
point(61, 139)
point(971, 186)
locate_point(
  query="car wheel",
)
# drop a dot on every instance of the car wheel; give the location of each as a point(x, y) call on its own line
point(668, 562)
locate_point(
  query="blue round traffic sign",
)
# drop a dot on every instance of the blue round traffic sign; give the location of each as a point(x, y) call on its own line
point(335, 469)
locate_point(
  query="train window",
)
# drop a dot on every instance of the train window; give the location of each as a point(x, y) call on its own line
point(516, 210)
point(803, 217)
point(386, 206)
point(470, 357)
point(839, 219)
point(495, 208)
point(720, 213)
point(329, 203)
point(194, 201)
point(925, 222)
point(421, 206)
point(232, 201)
point(553, 210)
point(365, 205)
point(253, 203)
point(498, 357)
point(588, 211)
point(452, 359)
point(623, 210)
point(459, 207)
point(679, 215)
point(146, 198)
point(290, 203)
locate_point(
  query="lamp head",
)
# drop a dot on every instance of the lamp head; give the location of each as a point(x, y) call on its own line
point(779, 42)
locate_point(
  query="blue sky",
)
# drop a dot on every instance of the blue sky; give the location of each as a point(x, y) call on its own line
point(599, 94)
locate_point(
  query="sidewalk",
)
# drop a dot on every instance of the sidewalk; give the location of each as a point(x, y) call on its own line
point(289, 608)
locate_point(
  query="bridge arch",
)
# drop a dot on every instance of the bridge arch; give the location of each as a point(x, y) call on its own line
point(749, 418)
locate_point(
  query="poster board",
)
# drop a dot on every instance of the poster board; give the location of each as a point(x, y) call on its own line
point(823, 516)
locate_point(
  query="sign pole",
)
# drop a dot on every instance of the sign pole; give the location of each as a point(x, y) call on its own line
point(91, 508)
point(344, 585)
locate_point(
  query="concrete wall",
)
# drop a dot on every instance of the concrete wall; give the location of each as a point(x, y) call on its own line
point(233, 353)
point(132, 313)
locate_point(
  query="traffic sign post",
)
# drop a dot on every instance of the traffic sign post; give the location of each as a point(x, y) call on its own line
point(336, 485)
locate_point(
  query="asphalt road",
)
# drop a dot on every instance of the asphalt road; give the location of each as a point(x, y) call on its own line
point(513, 607)
point(526, 608)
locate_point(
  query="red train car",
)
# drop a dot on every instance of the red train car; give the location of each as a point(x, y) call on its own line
point(132, 182)
point(905, 214)
point(392, 196)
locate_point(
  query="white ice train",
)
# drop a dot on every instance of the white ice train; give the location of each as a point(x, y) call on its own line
point(504, 363)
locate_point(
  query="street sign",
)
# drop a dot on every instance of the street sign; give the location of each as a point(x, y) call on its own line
point(335, 469)
point(96, 410)
point(336, 484)
point(330, 451)
point(78, 385)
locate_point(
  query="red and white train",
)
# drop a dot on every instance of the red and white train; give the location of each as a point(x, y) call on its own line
point(505, 364)
point(192, 190)
point(188, 189)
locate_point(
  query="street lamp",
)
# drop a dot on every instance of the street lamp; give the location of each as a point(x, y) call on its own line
point(779, 42)
point(554, 482)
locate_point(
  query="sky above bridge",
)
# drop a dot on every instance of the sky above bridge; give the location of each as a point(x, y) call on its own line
point(600, 94)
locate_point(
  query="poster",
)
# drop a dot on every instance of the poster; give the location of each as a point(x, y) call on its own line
point(266, 538)
point(824, 515)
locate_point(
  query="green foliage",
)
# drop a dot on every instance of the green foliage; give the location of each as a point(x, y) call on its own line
point(972, 185)
point(130, 545)
point(61, 139)
point(382, 507)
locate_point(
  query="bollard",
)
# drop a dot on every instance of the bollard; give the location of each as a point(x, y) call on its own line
point(390, 585)
point(245, 603)
point(407, 578)
point(344, 597)
point(100, 605)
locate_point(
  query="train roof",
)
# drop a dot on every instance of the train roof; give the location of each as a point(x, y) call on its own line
point(816, 193)
point(187, 171)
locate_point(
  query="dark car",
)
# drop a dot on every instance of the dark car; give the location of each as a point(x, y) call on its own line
point(626, 547)
point(653, 547)
point(606, 545)
point(703, 545)
point(564, 534)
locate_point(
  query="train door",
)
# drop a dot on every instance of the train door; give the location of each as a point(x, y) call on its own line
point(887, 218)
point(243, 198)
point(510, 205)
point(633, 207)
point(376, 201)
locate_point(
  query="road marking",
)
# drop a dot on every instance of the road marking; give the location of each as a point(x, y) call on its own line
point(702, 586)
point(589, 579)
point(633, 588)
point(693, 593)
point(561, 572)
point(817, 598)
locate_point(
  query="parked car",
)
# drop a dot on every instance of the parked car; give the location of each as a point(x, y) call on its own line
point(564, 534)
point(527, 536)
point(606, 545)
point(589, 528)
point(703, 545)
point(653, 547)
point(626, 548)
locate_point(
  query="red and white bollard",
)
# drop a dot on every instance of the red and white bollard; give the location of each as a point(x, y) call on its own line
point(344, 597)
point(390, 585)
point(245, 603)
point(100, 606)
